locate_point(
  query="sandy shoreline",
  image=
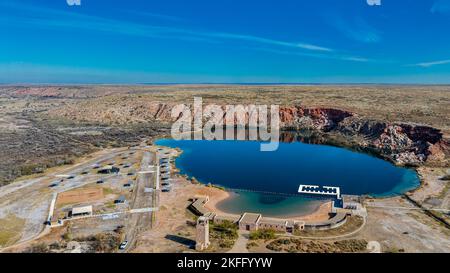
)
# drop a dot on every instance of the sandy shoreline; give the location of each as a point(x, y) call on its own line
point(217, 195)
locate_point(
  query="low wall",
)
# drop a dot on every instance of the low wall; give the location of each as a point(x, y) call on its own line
point(336, 221)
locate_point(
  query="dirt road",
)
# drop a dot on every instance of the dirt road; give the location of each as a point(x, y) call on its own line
point(138, 222)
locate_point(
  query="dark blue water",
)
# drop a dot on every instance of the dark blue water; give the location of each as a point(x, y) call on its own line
point(241, 165)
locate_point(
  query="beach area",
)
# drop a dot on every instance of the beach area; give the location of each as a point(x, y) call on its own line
point(217, 196)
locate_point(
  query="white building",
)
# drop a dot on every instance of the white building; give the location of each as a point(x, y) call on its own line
point(82, 211)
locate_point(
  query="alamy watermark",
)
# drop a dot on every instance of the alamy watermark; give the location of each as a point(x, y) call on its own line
point(374, 2)
point(230, 122)
point(73, 2)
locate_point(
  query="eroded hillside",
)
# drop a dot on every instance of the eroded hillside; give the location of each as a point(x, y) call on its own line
point(51, 125)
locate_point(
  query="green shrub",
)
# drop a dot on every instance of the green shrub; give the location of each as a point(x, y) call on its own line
point(105, 242)
point(38, 248)
point(251, 244)
point(67, 236)
point(225, 233)
point(264, 234)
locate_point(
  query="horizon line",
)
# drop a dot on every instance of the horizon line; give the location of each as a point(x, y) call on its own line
point(224, 83)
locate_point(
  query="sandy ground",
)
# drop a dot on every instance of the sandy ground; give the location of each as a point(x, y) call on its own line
point(80, 195)
point(29, 199)
point(401, 229)
point(434, 192)
point(172, 233)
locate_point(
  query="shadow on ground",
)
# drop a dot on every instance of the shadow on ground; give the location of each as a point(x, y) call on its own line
point(181, 240)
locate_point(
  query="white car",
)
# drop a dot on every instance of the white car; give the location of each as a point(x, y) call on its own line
point(123, 245)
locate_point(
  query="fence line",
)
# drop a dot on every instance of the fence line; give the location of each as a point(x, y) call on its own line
point(272, 193)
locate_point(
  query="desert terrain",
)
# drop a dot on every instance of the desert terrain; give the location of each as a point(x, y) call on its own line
point(51, 130)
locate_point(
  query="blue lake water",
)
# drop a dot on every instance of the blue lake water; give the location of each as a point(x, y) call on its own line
point(241, 165)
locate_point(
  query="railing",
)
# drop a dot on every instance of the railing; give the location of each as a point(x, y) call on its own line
point(275, 193)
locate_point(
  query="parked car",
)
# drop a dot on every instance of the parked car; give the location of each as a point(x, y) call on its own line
point(123, 245)
point(120, 200)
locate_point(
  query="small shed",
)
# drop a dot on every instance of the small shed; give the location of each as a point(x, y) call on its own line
point(81, 211)
point(249, 221)
point(108, 170)
point(220, 219)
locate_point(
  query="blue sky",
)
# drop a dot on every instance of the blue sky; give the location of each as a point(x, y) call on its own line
point(225, 41)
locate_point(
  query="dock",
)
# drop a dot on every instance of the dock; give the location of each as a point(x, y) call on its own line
point(323, 192)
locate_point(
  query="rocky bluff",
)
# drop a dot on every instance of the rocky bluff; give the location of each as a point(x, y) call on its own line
point(402, 143)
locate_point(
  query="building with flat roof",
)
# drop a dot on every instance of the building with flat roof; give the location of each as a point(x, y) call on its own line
point(198, 205)
point(81, 211)
point(108, 170)
point(275, 224)
point(220, 219)
point(249, 221)
point(255, 221)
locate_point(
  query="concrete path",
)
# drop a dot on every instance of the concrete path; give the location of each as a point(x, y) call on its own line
point(240, 246)
point(331, 237)
point(143, 210)
point(405, 208)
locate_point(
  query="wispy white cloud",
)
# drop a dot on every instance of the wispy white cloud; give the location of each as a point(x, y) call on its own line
point(429, 64)
point(356, 59)
point(33, 16)
point(264, 40)
point(60, 18)
point(313, 47)
point(357, 29)
point(334, 56)
point(441, 7)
